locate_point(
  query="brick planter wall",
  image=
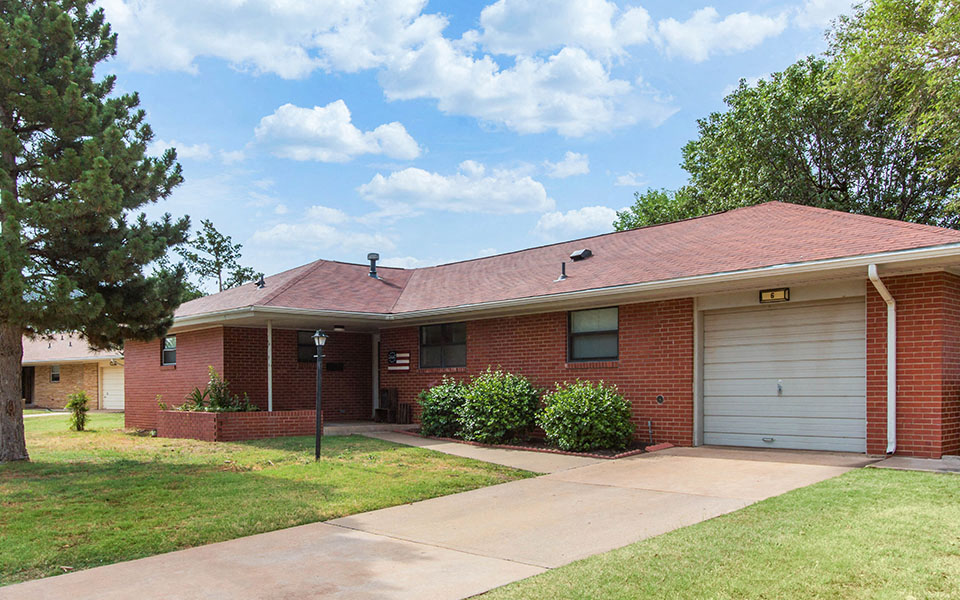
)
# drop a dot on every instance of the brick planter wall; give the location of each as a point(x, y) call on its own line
point(235, 426)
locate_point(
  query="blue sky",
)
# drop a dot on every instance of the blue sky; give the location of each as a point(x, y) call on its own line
point(440, 131)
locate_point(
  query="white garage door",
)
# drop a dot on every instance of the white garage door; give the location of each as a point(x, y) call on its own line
point(113, 388)
point(786, 376)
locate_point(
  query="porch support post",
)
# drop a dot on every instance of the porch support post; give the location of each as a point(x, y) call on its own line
point(270, 366)
point(375, 374)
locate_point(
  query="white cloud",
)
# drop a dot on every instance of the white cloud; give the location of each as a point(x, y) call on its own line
point(184, 151)
point(321, 227)
point(578, 222)
point(819, 13)
point(405, 262)
point(570, 91)
point(472, 189)
point(630, 179)
point(526, 27)
point(229, 157)
point(280, 209)
point(326, 134)
point(572, 164)
point(705, 33)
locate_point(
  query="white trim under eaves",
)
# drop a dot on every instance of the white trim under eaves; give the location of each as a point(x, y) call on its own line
point(785, 269)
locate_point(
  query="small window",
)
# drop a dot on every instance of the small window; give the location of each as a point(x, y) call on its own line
point(443, 345)
point(168, 356)
point(594, 334)
point(306, 347)
point(54, 373)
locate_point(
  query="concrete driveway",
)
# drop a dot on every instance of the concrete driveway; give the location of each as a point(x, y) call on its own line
point(461, 545)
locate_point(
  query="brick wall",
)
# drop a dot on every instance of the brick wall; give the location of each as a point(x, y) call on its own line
point(240, 356)
point(347, 394)
point(73, 378)
point(145, 378)
point(656, 358)
point(928, 365)
point(228, 427)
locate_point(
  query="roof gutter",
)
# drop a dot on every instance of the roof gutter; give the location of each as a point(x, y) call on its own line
point(891, 357)
point(786, 269)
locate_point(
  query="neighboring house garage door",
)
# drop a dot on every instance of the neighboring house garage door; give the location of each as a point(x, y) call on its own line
point(786, 376)
point(113, 388)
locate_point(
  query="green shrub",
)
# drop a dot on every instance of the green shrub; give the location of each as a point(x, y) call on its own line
point(498, 407)
point(216, 397)
point(77, 405)
point(440, 408)
point(584, 416)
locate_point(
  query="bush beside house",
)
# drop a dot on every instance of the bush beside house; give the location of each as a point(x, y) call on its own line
point(498, 407)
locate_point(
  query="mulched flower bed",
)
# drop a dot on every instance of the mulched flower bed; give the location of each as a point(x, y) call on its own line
point(633, 449)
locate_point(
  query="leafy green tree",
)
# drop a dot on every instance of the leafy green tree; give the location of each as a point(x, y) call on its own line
point(791, 138)
point(905, 54)
point(212, 255)
point(657, 206)
point(73, 174)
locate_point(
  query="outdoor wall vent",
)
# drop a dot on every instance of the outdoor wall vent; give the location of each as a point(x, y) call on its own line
point(581, 255)
point(373, 257)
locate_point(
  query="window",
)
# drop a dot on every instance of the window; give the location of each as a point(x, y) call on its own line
point(443, 345)
point(594, 334)
point(168, 356)
point(306, 347)
point(54, 373)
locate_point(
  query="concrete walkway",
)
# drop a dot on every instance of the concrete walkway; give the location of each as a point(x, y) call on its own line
point(461, 545)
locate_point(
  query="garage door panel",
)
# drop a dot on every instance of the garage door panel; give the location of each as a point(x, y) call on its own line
point(798, 368)
point(785, 351)
point(792, 426)
point(785, 442)
point(809, 406)
point(784, 335)
point(112, 379)
point(792, 387)
point(817, 351)
point(824, 314)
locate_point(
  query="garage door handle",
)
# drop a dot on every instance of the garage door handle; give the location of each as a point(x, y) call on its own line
point(768, 440)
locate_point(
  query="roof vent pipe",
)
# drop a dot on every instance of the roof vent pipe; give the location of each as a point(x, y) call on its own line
point(891, 357)
point(373, 257)
point(563, 272)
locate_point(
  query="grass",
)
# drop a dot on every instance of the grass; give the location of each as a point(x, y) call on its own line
point(103, 495)
point(869, 534)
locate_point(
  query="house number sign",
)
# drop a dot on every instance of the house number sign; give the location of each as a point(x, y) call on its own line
point(775, 295)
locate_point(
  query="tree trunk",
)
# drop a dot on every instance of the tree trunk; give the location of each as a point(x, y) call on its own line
point(13, 445)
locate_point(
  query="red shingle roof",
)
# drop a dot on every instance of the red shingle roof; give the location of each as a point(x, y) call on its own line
point(69, 349)
point(765, 235)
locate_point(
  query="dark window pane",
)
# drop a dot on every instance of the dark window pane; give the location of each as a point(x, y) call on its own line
point(594, 346)
point(305, 338)
point(456, 333)
point(431, 356)
point(307, 353)
point(431, 335)
point(169, 357)
point(455, 355)
point(601, 319)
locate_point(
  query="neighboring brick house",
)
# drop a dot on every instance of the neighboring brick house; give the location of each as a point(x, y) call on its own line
point(764, 326)
point(53, 368)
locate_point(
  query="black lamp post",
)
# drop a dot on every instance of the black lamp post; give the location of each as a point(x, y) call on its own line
point(319, 338)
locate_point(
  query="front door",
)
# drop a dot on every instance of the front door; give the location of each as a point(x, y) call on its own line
point(26, 384)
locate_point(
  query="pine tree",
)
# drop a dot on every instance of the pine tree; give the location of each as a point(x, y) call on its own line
point(212, 255)
point(73, 174)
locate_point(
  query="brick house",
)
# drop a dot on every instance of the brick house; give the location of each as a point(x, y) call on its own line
point(53, 368)
point(764, 326)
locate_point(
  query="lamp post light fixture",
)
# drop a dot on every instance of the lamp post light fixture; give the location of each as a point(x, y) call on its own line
point(319, 338)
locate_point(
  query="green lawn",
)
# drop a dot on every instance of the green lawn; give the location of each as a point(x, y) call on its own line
point(103, 496)
point(869, 534)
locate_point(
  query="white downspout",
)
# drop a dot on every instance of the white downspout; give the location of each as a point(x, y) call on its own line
point(891, 357)
point(269, 366)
